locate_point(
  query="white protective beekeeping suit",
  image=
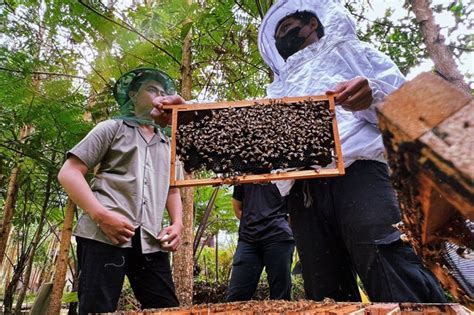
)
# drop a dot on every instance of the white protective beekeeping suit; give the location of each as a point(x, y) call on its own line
point(338, 56)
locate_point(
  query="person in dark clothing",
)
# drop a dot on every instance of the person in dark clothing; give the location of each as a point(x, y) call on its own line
point(265, 240)
point(343, 226)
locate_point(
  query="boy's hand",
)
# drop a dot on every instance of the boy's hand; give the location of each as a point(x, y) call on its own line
point(170, 237)
point(117, 227)
point(159, 115)
point(353, 95)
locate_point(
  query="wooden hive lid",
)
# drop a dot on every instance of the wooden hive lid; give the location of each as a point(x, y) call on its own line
point(421, 104)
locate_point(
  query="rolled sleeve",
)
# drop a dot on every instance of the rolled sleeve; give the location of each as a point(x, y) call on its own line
point(94, 146)
point(384, 77)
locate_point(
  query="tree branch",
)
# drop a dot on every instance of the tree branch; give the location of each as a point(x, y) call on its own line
point(44, 73)
point(131, 29)
point(437, 49)
point(259, 8)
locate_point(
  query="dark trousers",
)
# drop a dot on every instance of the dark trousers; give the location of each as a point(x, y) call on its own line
point(249, 260)
point(102, 269)
point(348, 229)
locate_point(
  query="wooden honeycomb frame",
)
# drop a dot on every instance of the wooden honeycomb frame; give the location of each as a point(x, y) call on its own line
point(253, 178)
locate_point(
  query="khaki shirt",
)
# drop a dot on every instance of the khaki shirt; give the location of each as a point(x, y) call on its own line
point(132, 178)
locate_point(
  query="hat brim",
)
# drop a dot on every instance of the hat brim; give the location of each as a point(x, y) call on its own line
point(122, 86)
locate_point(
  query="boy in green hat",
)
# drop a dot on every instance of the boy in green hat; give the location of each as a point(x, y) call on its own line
point(119, 232)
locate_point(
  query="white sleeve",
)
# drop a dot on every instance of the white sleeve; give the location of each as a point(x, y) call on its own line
point(275, 89)
point(384, 77)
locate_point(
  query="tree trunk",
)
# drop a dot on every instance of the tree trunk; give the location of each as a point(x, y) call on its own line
point(437, 49)
point(8, 210)
point(48, 261)
point(62, 264)
point(217, 256)
point(34, 279)
point(5, 269)
point(34, 244)
point(12, 193)
point(203, 223)
point(26, 278)
point(1, 170)
point(9, 265)
point(13, 284)
point(183, 258)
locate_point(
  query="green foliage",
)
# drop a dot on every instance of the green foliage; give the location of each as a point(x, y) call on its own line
point(207, 265)
point(297, 288)
point(401, 39)
point(70, 297)
point(457, 8)
point(222, 216)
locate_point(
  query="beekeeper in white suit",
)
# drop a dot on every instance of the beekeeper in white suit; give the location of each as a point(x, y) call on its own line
point(343, 226)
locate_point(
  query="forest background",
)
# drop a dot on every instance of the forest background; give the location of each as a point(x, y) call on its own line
point(58, 64)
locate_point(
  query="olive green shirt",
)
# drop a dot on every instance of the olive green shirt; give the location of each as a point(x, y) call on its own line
point(132, 178)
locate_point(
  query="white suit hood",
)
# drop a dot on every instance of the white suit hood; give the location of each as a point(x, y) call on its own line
point(336, 57)
point(336, 20)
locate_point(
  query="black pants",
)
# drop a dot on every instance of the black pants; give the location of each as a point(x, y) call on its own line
point(249, 260)
point(102, 269)
point(348, 229)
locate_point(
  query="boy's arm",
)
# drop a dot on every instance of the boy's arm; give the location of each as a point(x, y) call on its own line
point(170, 237)
point(114, 225)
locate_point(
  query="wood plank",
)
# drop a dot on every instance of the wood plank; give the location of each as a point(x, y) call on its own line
point(244, 103)
point(449, 150)
point(453, 140)
point(306, 307)
point(259, 178)
point(174, 124)
point(449, 283)
point(436, 209)
point(382, 309)
point(421, 104)
point(346, 309)
point(464, 204)
point(454, 309)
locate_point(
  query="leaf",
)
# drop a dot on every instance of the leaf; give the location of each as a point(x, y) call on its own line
point(186, 29)
point(70, 297)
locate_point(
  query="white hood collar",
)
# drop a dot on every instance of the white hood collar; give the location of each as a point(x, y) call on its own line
point(337, 22)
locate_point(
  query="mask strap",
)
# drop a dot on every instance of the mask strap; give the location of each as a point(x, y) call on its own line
point(309, 33)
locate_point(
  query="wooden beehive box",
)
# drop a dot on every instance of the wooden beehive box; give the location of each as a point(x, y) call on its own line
point(428, 132)
point(186, 113)
point(306, 307)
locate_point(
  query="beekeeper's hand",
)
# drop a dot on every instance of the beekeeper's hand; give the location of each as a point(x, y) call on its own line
point(353, 95)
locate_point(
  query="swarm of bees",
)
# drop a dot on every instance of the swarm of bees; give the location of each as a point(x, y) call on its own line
point(257, 139)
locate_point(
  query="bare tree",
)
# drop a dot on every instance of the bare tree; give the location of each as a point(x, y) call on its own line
point(63, 260)
point(183, 259)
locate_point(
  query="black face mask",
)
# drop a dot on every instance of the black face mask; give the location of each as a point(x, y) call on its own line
point(290, 43)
